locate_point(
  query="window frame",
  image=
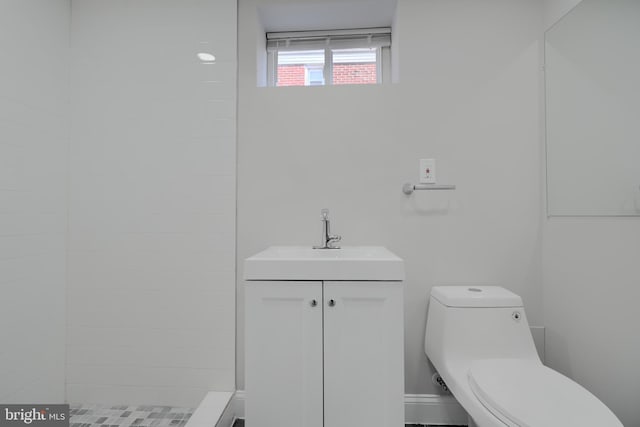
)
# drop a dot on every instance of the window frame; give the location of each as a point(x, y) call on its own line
point(378, 38)
point(307, 75)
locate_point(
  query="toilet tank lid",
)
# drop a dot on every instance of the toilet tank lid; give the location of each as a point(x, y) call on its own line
point(475, 296)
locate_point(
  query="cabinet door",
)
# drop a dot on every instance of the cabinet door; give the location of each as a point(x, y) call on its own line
point(363, 354)
point(283, 354)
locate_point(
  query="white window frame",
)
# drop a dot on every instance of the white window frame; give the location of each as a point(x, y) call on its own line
point(378, 38)
point(307, 75)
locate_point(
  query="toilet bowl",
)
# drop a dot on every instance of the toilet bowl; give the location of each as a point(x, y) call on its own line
point(479, 341)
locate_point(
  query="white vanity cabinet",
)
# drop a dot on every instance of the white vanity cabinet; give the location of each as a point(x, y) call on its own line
point(363, 354)
point(324, 352)
point(283, 354)
point(324, 339)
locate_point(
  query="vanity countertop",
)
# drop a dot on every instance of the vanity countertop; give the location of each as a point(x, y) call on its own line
point(352, 263)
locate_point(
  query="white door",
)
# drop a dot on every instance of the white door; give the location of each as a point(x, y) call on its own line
point(283, 354)
point(363, 354)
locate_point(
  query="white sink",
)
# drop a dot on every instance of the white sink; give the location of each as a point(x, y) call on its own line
point(305, 263)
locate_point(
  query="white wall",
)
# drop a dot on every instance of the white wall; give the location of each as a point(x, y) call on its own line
point(468, 96)
point(34, 111)
point(590, 294)
point(152, 211)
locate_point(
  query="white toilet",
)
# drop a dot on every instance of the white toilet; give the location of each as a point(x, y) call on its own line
point(479, 341)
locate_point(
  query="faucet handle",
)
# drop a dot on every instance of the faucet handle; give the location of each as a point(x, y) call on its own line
point(325, 214)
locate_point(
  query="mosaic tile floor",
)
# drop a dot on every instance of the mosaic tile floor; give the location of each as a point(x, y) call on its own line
point(141, 416)
point(128, 416)
point(240, 423)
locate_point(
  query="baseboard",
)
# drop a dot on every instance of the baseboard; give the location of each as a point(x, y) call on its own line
point(433, 409)
point(418, 409)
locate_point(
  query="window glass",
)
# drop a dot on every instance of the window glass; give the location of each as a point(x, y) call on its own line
point(334, 57)
point(300, 68)
point(355, 66)
point(315, 76)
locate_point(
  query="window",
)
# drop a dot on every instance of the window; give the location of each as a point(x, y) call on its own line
point(314, 76)
point(315, 58)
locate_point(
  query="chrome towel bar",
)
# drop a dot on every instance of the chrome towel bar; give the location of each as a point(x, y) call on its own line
point(409, 188)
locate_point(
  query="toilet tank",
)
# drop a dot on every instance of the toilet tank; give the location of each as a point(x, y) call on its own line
point(466, 323)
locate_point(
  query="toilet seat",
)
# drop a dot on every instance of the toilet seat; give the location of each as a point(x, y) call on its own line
point(526, 393)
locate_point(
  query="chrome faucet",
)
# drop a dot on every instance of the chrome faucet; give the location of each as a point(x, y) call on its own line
point(328, 241)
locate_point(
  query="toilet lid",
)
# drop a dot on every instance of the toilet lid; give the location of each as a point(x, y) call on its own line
point(528, 394)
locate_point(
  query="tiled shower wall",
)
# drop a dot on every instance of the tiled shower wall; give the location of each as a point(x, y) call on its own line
point(34, 122)
point(151, 292)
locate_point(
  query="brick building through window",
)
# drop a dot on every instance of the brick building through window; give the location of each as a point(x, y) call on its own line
point(350, 66)
point(320, 58)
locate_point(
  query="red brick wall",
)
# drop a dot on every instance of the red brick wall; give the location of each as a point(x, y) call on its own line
point(354, 74)
point(293, 75)
point(290, 75)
